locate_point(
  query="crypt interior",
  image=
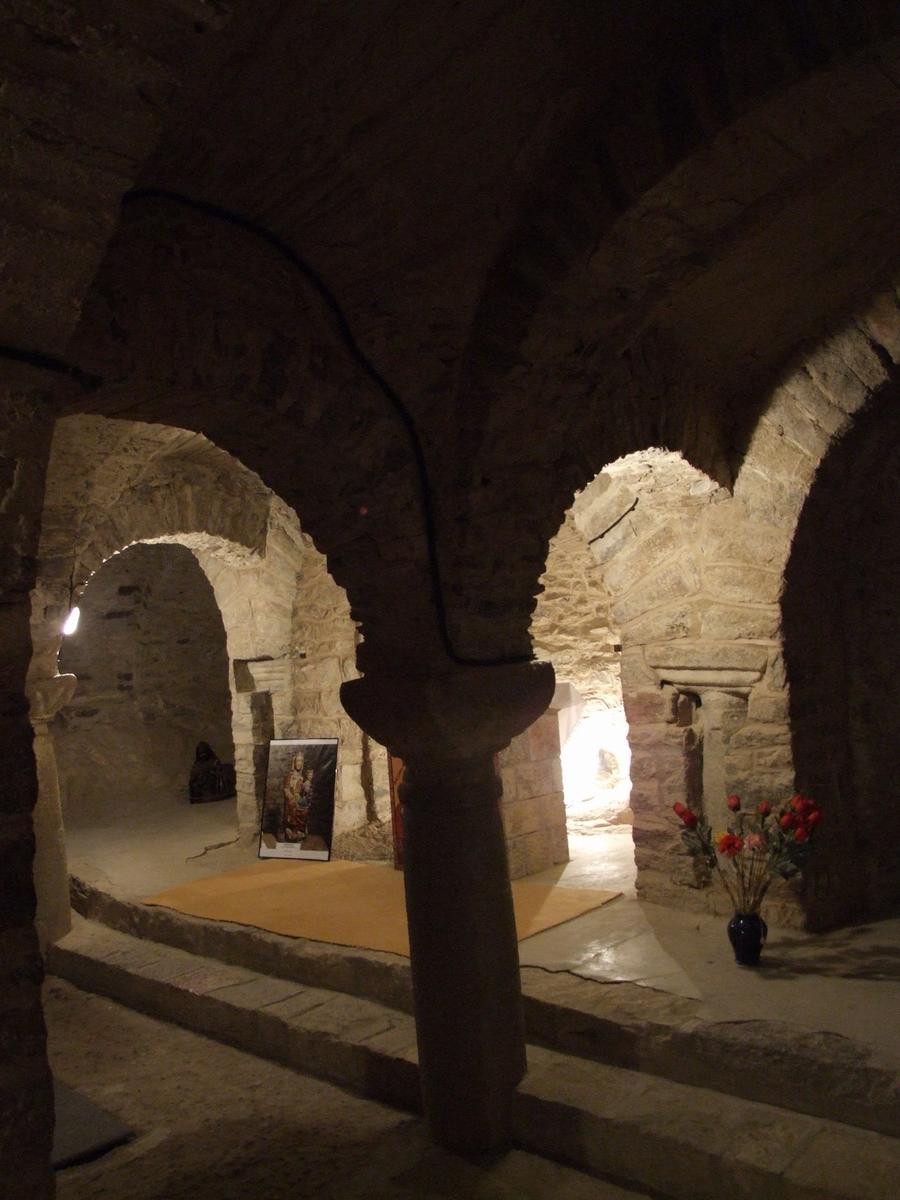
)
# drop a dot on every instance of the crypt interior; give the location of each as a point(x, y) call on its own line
point(504, 389)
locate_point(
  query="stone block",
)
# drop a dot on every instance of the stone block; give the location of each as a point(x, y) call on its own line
point(518, 750)
point(720, 622)
point(777, 458)
point(523, 816)
point(671, 582)
point(508, 779)
point(777, 501)
point(324, 674)
point(543, 737)
point(757, 736)
point(776, 676)
point(741, 584)
point(671, 657)
point(777, 756)
point(669, 621)
point(648, 707)
point(536, 778)
point(624, 571)
point(767, 707)
point(729, 535)
point(846, 369)
point(791, 420)
point(536, 851)
point(636, 676)
point(559, 841)
point(601, 505)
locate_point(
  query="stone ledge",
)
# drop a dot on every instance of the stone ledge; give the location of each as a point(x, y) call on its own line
point(638, 1129)
point(679, 1141)
point(621, 1024)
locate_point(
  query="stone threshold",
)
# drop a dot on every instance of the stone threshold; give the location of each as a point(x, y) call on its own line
point(620, 1024)
point(636, 1129)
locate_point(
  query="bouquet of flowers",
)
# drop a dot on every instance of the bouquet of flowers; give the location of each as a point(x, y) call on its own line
point(758, 845)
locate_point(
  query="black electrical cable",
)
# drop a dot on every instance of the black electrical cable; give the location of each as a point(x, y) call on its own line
point(47, 362)
point(368, 367)
point(91, 382)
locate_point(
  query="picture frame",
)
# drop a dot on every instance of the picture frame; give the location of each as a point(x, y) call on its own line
point(297, 819)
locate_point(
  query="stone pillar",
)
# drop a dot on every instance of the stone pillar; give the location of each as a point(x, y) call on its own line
point(463, 946)
point(721, 713)
point(53, 918)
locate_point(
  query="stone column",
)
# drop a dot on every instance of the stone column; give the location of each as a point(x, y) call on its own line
point(53, 919)
point(463, 946)
point(721, 714)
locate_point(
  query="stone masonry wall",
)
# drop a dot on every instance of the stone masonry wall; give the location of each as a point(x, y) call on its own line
point(533, 809)
point(152, 670)
point(571, 628)
point(323, 652)
point(695, 574)
point(290, 640)
point(694, 584)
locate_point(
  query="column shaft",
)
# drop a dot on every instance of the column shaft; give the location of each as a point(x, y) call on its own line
point(465, 962)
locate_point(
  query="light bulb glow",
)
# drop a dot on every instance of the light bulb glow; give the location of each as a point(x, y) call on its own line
point(71, 621)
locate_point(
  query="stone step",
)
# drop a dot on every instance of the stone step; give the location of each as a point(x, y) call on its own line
point(639, 1130)
point(624, 1025)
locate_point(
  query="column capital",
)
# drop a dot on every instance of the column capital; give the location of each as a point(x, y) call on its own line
point(456, 713)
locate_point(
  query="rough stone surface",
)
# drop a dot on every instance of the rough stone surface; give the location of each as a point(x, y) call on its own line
point(307, 1134)
point(152, 669)
point(286, 640)
point(532, 805)
point(562, 241)
point(369, 1049)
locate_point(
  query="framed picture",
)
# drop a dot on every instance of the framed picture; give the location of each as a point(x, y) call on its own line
point(298, 807)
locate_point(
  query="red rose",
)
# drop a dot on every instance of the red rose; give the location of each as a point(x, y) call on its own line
point(689, 818)
point(729, 844)
point(801, 834)
point(764, 808)
point(734, 803)
point(679, 807)
point(788, 821)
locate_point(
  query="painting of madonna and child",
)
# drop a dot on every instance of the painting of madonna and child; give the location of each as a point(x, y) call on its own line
point(298, 809)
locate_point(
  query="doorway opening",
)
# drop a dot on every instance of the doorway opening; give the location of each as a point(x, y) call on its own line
point(151, 662)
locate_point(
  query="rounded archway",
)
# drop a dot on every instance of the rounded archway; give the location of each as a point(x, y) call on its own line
point(121, 492)
point(151, 662)
point(842, 642)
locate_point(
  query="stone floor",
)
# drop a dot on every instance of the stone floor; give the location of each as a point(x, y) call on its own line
point(846, 982)
point(214, 1123)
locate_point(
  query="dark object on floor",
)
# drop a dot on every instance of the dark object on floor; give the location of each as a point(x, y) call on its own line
point(747, 932)
point(83, 1131)
point(210, 778)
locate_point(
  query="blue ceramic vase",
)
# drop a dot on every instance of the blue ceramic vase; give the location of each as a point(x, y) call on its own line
point(747, 932)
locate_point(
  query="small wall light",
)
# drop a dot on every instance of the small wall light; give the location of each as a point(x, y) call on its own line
point(71, 621)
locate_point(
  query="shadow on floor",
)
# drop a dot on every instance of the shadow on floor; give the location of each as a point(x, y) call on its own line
point(843, 957)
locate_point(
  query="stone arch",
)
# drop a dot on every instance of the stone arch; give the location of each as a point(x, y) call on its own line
point(631, 280)
point(573, 629)
point(111, 485)
point(692, 574)
point(841, 640)
point(663, 331)
point(114, 484)
point(700, 77)
point(278, 389)
point(152, 668)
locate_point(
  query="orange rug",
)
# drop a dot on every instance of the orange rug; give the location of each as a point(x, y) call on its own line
point(347, 903)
